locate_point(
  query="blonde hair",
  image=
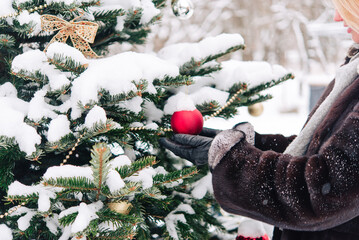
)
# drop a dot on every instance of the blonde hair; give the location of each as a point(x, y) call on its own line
point(349, 11)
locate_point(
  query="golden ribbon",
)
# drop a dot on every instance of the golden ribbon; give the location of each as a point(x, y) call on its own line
point(81, 33)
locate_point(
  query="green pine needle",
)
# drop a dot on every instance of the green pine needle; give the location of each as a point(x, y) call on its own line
point(55, 95)
point(161, 179)
point(23, 198)
point(270, 84)
point(207, 108)
point(117, 218)
point(68, 219)
point(194, 67)
point(129, 189)
point(152, 192)
point(100, 156)
point(179, 80)
point(63, 145)
point(36, 76)
point(136, 166)
point(6, 41)
point(9, 153)
point(105, 15)
point(67, 64)
point(100, 128)
point(36, 155)
point(72, 184)
point(106, 99)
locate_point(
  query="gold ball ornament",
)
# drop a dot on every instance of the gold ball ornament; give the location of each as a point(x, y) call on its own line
point(122, 207)
point(256, 109)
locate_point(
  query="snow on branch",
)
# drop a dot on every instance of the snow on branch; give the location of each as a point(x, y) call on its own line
point(182, 53)
point(118, 74)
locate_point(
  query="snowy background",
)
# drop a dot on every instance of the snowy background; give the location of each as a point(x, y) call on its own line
point(301, 36)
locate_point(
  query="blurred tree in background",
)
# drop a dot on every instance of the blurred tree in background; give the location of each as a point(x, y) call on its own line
point(296, 34)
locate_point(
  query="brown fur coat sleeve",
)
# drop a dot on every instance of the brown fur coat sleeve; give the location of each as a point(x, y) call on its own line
point(275, 142)
point(313, 192)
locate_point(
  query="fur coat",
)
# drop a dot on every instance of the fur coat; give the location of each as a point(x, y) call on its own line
point(313, 196)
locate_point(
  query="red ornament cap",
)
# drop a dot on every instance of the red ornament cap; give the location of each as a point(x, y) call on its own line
point(187, 122)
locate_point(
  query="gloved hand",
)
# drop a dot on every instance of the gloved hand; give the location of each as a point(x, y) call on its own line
point(209, 132)
point(191, 147)
point(225, 140)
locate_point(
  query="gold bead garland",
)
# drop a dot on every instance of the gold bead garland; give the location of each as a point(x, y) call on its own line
point(72, 150)
point(229, 102)
point(29, 10)
point(137, 128)
point(12, 210)
point(144, 128)
point(166, 129)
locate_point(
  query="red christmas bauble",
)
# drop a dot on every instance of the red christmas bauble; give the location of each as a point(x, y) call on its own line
point(187, 122)
point(264, 237)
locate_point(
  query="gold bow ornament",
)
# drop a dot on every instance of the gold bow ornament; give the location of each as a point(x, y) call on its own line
point(81, 33)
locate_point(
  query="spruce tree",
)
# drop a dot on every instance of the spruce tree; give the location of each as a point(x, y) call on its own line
point(79, 136)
